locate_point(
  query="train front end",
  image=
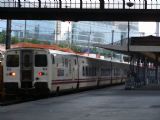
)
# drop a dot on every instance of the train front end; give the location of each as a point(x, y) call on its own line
point(25, 70)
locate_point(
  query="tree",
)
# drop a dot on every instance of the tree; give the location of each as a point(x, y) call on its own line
point(2, 37)
point(63, 44)
point(14, 40)
point(76, 48)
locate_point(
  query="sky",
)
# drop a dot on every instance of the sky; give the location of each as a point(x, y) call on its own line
point(147, 27)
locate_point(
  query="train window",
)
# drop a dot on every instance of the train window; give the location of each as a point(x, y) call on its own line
point(53, 61)
point(83, 71)
point(75, 61)
point(102, 72)
point(40, 60)
point(116, 72)
point(108, 72)
point(95, 71)
point(66, 62)
point(87, 71)
point(92, 71)
point(70, 69)
point(12, 60)
point(105, 72)
point(60, 72)
point(63, 61)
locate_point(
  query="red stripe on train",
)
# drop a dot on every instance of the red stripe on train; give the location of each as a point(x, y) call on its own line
point(68, 81)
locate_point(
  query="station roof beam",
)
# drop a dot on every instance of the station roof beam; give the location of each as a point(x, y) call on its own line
point(39, 3)
point(19, 3)
point(101, 4)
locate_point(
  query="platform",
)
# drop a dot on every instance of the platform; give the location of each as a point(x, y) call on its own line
point(150, 87)
point(112, 103)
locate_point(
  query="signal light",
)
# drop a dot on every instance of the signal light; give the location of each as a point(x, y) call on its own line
point(40, 73)
point(12, 74)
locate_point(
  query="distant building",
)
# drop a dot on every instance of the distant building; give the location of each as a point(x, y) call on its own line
point(86, 33)
point(32, 29)
point(83, 33)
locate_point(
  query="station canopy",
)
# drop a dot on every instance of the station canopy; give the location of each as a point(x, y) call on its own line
point(148, 46)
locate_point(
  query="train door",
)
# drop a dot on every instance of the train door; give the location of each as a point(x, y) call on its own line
point(26, 68)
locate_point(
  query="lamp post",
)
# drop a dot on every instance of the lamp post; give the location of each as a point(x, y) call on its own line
point(129, 4)
point(89, 40)
point(25, 29)
point(128, 36)
point(157, 29)
point(8, 34)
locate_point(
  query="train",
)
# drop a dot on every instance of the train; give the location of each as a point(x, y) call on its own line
point(51, 71)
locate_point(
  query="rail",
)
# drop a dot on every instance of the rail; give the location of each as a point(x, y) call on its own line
point(82, 4)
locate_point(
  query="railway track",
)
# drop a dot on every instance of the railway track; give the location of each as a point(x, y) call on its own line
point(14, 99)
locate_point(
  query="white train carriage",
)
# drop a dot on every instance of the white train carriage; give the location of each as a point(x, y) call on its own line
point(52, 71)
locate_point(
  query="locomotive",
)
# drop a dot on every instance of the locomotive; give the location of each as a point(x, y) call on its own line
point(53, 71)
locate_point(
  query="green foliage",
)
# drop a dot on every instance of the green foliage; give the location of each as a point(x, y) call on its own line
point(2, 37)
point(63, 44)
point(14, 40)
point(32, 41)
point(95, 50)
point(76, 48)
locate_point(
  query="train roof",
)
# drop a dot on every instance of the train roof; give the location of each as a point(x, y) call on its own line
point(64, 53)
point(60, 52)
point(53, 50)
point(41, 46)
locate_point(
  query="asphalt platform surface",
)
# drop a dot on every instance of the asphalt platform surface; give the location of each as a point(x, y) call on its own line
point(112, 103)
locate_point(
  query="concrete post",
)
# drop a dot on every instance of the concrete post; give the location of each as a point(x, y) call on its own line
point(8, 34)
point(137, 72)
point(145, 71)
point(81, 2)
point(156, 70)
point(102, 4)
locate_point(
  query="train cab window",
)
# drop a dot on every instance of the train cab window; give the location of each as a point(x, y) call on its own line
point(108, 72)
point(12, 60)
point(90, 71)
point(40, 60)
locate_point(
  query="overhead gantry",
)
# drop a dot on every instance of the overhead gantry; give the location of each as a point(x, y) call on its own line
point(81, 10)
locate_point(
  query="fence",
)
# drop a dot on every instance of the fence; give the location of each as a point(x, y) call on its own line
point(84, 4)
